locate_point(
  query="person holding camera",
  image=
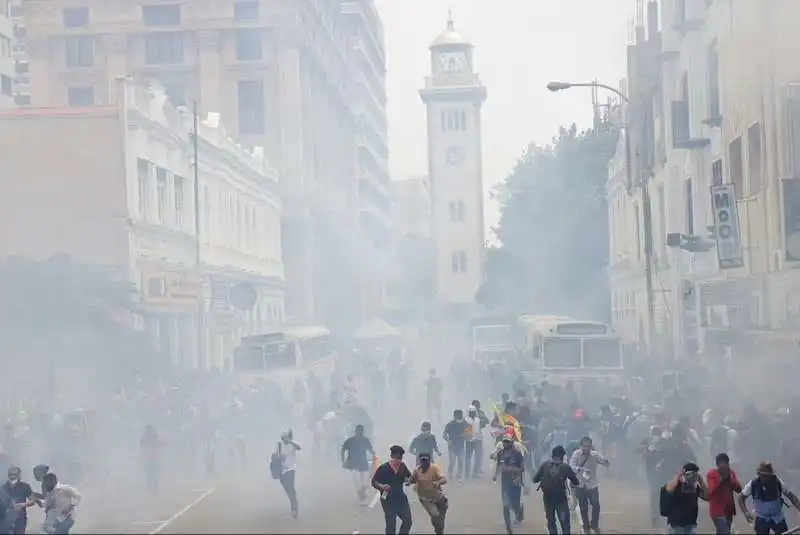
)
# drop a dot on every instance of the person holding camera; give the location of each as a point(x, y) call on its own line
point(679, 500)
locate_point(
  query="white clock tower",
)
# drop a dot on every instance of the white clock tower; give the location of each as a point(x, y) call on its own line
point(454, 95)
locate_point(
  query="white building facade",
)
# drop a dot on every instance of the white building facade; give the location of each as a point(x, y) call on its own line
point(6, 55)
point(454, 95)
point(723, 117)
point(187, 295)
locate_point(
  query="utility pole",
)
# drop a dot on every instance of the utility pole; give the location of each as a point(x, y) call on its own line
point(198, 257)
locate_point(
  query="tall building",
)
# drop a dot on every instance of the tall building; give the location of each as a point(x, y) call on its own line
point(282, 76)
point(19, 53)
point(134, 210)
point(367, 59)
point(454, 95)
point(6, 55)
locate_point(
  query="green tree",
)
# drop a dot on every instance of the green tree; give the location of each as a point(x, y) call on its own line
point(553, 230)
point(66, 328)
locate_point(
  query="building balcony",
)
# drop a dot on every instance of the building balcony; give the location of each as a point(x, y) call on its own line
point(682, 129)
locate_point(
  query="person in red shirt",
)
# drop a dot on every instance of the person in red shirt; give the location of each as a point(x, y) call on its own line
point(722, 484)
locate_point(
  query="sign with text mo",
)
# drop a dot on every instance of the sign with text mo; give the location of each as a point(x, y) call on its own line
point(726, 223)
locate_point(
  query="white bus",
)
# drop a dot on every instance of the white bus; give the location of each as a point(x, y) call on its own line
point(569, 349)
point(283, 357)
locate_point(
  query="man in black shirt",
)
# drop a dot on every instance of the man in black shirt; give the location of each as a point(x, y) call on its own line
point(21, 495)
point(355, 451)
point(552, 478)
point(511, 467)
point(679, 500)
point(390, 479)
point(455, 434)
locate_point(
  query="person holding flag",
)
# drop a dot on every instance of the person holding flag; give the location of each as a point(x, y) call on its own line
point(503, 419)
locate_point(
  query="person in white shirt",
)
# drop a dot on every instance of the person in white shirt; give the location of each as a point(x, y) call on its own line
point(60, 502)
point(287, 449)
point(584, 462)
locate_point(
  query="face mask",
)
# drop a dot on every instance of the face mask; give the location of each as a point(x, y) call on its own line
point(13, 480)
point(425, 463)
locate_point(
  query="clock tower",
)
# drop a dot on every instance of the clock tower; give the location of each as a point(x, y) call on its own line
point(453, 96)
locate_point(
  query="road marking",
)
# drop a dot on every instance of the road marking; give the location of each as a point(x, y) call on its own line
point(194, 503)
point(149, 523)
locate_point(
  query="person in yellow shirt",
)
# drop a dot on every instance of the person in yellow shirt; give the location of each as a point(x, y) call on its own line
point(428, 479)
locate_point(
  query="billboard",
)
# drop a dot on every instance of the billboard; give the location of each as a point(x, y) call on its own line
point(726, 226)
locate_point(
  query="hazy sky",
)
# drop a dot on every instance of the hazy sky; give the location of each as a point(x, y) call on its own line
point(520, 45)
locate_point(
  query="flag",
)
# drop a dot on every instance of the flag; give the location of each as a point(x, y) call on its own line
point(506, 420)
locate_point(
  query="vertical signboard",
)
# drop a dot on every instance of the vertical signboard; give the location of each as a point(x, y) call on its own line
point(726, 225)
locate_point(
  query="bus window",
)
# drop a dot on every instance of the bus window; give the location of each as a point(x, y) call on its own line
point(313, 349)
point(280, 355)
point(602, 353)
point(248, 359)
point(561, 353)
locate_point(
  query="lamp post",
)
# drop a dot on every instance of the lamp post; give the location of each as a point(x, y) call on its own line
point(647, 217)
point(201, 319)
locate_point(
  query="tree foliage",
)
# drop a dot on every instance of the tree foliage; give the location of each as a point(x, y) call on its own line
point(553, 230)
point(68, 325)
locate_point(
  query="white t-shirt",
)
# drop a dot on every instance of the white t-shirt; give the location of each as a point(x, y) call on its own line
point(289, 452)
point(747, 490)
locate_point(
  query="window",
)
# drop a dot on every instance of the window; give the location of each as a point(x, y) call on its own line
point(75, 17)
point(454, 120)
point(245, 11)
point(736, 166)
point(80, 96)
point(458, 261)
point(180, 192)
point(16, 11)
point(143, 176)
point(161, 192)
point(689, 199)
point(713, 82)
point(461, 211)
point(176, 94)
point(716, 173)
point(21, 67)
point(754, 157)
point(453, 211)
point(5, 84)
point(163, 48)
point(162, 15)
point(457, 211)
point(22, 100)
point(249, 45)
point(19, 32)
point(250, 97)
point(79, 50)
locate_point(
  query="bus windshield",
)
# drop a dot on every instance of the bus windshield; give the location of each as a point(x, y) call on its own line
point(602, 353)
point(561, 353)
point(493, 335)
point(279, 355)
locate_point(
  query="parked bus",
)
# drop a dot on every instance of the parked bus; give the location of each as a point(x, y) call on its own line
point(283, 357)
point(493, 338)
point(566, 349)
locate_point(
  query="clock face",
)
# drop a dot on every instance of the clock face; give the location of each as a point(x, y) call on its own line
point(452, 63)
point(454, 155)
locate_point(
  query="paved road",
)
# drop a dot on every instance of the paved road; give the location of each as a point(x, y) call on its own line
point(330, 506)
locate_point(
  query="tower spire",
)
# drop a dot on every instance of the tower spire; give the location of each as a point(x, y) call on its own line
point(450, 23)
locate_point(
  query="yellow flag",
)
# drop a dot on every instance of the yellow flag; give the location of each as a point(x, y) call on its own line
point(506, 420)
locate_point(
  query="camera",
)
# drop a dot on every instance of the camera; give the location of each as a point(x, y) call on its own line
point(689, 483)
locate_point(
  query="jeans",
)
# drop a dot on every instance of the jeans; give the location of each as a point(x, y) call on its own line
point(763, 526)
point(287, 482)
point(557, 511)
point(683, 530)
point(587, 497)
point(722, 525)
point(394, 508)
point(455, 460)
point(21, 524)
point(512, 501)
point(472, 458)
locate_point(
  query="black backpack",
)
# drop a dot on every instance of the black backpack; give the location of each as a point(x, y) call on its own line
point(552, 477)
point(276, 463)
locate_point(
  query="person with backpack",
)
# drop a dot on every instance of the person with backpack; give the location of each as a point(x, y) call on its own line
point(768, 492)
point(283, 467)
point(552, 477)
point(679, 500)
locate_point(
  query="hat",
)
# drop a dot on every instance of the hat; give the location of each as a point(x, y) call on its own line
point(395, 451)
point(765, 469)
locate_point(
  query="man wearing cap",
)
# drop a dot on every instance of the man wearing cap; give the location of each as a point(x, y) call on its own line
point(21, 495)
point(390, 479)
point(767, 491)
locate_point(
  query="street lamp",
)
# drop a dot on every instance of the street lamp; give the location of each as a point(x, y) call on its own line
point(643, 183)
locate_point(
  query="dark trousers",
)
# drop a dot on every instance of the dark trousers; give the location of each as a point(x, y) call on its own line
point(586, 498)
point(287, 482)
point(455, 459)
point(557, 512)
point(21, 524)
point(762, 526)
point(63, 527)
point(472, 458)
point(512, 501)
point(722, 525)
point(394, 508)
point(438, 513)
